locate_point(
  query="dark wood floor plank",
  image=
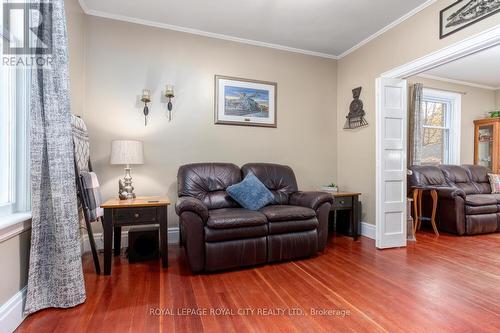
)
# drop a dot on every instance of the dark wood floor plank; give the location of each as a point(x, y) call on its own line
point(445, 284)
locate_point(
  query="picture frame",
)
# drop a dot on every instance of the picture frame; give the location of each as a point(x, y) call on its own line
point(245, 102)
point(464, 13)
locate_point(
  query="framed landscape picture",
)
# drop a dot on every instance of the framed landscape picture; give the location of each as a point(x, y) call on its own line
point(463, 13)
point(245, 102)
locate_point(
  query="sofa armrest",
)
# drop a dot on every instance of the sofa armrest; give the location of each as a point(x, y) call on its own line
point(450, 192)
point(311, 200)
point(190, 204)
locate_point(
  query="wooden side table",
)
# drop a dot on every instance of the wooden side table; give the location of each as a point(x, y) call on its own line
point(347, 201)
point(418, 193)
point(139, 211)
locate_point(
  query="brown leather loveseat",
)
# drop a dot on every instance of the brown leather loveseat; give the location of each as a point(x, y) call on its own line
point(466, 205)
point(218, 234)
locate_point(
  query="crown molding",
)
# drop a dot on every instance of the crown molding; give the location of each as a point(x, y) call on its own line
point(459, 82)
point(388, 27)
point(160, 25)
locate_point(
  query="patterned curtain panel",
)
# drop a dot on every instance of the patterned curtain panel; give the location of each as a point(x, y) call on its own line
point(55, 269)
point(415, 125)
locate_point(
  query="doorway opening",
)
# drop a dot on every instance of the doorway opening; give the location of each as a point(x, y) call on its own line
point(392, 134)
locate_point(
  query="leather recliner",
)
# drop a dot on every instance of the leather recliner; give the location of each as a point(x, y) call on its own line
point(466, 205)
point(219, 234)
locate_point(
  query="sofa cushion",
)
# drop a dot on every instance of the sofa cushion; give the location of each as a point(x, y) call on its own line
point(279, 179)
point(458, 176)
point(276, 213)
point(285, 227)
point(494, 183)
point(476, 210)
point(480, 200)
point(426, 175)
point(251, 193)
point(217, 235)
point(208, 182)
point(234, 218)
point(479, 176)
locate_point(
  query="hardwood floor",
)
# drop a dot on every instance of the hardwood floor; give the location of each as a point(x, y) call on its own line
point(445, 284)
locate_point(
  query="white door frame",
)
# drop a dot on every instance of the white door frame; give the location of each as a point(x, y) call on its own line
point(468, 46)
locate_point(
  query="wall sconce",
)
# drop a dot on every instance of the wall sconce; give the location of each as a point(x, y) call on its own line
point(169, 93)
point(146, 98)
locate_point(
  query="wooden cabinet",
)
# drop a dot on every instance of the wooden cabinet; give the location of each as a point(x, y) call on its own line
point(487, 143)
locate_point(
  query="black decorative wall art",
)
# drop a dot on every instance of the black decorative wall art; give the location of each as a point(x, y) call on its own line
point(356, 116)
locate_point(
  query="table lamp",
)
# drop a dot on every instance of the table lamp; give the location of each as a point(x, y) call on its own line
point(127, 152)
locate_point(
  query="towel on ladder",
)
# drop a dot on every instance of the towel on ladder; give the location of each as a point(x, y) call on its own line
point(92, 194)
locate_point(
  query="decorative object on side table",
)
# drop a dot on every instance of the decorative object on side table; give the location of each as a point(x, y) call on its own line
point(464, 13)
point(245, 102)
point(356, 116)
point(136, 212)
point(127, 152)
point(146, 98)
point(332, 188)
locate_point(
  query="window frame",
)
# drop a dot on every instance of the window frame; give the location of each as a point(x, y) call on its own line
point(17, 211)
point(452, 118)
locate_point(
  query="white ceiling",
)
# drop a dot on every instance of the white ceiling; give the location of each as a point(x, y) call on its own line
point(321, 27)
point(481, 69)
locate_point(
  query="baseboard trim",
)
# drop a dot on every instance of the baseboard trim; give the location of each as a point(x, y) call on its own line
point(12, 312)
point(173, 238)
point(368, 230)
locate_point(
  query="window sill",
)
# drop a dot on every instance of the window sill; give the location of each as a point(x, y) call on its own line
point(14, 224)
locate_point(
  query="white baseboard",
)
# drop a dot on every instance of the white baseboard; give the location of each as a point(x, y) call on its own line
point(368, 230)
point(12, 312)
point(173, 238)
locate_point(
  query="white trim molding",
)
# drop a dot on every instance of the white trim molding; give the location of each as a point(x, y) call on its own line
point(388, 27)
point(468, 46)
point(13, 225)
point(160, 25)
point(173, 238)
point(368, 230)
point(459, 82)
point(12, 312)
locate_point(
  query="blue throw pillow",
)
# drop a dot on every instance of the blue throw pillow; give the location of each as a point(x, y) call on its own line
point(251, 193)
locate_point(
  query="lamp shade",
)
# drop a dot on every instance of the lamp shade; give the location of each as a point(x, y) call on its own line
point(126, 152)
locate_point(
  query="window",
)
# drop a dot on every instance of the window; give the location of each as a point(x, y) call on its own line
point(14, 110)
point(441, 127)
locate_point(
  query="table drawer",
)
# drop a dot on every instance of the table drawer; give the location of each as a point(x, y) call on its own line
point(146, 214)
point(342, 202)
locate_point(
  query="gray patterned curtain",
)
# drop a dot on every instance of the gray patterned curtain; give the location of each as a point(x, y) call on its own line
point(415, 125)
point(55, 270)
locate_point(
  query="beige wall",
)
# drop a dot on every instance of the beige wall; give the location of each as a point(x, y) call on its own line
point(476, 103)
point(123, 58)
point(414, 38)
point(14, 256)
point(76, 21)
point(497, 99)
